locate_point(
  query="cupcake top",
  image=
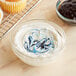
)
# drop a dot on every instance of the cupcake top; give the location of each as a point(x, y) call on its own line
point(11, 0)
point(37, 40)
point(1, 15)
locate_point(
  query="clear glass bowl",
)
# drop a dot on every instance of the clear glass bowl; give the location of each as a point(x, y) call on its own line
point(36, 61)
point(59, 2)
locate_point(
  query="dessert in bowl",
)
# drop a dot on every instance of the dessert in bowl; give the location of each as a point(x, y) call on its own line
point(66, 10)
point(38, 42)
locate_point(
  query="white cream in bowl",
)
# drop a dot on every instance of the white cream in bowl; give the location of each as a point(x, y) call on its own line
point(37, 42)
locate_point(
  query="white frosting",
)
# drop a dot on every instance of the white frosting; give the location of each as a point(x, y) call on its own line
point(25, 31)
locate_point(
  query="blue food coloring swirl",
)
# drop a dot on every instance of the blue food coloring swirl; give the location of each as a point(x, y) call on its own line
point(39, 46)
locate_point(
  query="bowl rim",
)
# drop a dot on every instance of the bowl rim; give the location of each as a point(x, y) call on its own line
point(60, 30)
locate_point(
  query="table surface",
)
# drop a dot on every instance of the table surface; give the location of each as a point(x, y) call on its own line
point(65, 64)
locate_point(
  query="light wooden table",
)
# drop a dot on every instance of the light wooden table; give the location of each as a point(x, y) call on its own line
point(65, 64)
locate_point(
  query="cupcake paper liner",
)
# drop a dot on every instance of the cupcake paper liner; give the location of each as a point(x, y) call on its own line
point(13, 7)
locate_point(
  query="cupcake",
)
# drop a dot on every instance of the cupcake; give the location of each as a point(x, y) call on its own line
point(1, 15)
point(13, 6)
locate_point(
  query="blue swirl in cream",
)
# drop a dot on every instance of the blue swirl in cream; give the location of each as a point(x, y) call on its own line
point(38, 42)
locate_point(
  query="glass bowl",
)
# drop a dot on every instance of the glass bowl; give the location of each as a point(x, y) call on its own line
point(38, 61)
point(59, 2)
